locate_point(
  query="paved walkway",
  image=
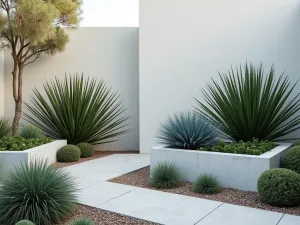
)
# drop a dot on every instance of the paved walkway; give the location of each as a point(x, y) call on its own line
point(157, 206)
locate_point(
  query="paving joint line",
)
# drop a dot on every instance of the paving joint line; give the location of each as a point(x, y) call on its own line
point(280, 218)
point(209, 213)
point(98, 206)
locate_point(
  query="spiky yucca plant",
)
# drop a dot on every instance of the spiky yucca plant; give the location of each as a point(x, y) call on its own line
point(248, 104)
point(164, 175)
point(187, 131)
point(36, 192)
point(29, 131)
point(78, 109)
point(5, 127)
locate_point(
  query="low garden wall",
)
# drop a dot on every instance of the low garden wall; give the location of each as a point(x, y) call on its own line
point(232, 170)
point(9, 159)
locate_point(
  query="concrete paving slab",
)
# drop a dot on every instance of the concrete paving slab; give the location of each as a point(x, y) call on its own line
point(102, 192)
point(139, 158)
point(85, 176)
point(289, 220)
point(161, 207)
point(228, 214)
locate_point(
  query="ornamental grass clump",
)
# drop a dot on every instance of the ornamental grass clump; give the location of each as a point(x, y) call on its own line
point(78, 109)
point(279, 187)
point(187, 131)
point(292, 159)
point(36, 192)
point(164, 176)
point(248, 103)
point(206, 184)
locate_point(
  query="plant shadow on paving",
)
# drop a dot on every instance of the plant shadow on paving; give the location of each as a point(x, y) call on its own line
point(140, 178)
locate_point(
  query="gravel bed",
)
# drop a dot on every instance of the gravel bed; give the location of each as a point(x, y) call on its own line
point(97, 155)
point(101, 217)
point(140, 178)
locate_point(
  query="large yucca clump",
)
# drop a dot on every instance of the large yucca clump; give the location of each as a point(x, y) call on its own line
point(248, 104)
point(36, 192)
point(187, 131)
point(78, 109)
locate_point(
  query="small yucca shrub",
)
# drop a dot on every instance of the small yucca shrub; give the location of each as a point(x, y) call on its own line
point(36, 192)
point(29, 131)
point(4, 127)
point(206, 184)
point(187, 131)
point(83, 221)
point(164, 175)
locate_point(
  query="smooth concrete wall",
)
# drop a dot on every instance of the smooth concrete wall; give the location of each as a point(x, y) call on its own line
point(232, 170)
point(184, 43)
point(105, 53)
point(1, 83)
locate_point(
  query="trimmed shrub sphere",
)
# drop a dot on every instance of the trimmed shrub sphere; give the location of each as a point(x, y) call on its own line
point(36, 192)
point(25, 222)
point(164, 175)
point(86, 150)
point(292, 159)
point(279, 187)
point(68, 153)
point(206, 184)
point(83, 221)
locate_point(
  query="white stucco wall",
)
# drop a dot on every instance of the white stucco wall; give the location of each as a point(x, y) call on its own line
point(184, 43)
point(1, 83)
point(106, 53)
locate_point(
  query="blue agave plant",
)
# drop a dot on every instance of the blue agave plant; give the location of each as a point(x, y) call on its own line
point(187, 131)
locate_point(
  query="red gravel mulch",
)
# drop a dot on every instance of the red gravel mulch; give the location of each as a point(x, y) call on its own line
point(97, 155)
point(140, 178)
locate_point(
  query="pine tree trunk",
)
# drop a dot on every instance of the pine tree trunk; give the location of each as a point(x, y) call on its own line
point(18, 97)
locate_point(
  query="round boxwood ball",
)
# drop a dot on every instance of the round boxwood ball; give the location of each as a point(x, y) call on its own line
point(86, 150)
point(68, 153)
point(292, 159)
point(24, 222)
point(279, 187)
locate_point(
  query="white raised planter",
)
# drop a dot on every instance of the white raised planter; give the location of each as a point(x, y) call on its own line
point(232, 170)
point(9, 159)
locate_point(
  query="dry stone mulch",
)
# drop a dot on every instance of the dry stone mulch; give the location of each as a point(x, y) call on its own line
point(102, 217)
point(140, 178)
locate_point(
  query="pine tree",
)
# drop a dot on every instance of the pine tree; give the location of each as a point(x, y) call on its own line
point(31, 29)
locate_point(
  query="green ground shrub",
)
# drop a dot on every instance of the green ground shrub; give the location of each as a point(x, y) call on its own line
point(68, 153)
point(86, 150)
point(83, 221)
point(254, 147)
point(25, 222)
point(279, 187)
point(37, 192)
point(292, 159)
point(10, 143)
point(164, 175)
point(206, 184)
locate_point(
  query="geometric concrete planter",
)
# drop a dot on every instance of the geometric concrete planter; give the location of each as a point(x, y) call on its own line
point(8, 159)
point(232, 170)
